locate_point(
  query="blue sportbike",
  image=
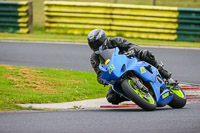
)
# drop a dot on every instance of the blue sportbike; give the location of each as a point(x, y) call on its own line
point(138, 81)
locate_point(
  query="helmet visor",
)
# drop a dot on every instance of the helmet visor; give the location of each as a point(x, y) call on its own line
point(95, 45)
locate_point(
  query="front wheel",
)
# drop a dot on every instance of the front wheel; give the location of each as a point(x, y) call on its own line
point(179, 99)
point(141, 98)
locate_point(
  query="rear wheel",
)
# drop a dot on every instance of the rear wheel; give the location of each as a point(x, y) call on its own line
point(141, 98)
point(179, 99)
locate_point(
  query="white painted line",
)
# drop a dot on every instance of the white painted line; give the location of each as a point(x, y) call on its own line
point(144, 46)
point(71, 43)
point(67, 43)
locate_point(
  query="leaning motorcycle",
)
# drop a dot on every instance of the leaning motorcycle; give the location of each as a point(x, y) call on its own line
point(138, 81)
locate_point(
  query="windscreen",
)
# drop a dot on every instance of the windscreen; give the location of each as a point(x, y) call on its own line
point(105, 55)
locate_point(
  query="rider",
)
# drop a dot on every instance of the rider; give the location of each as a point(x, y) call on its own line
point(97, 38)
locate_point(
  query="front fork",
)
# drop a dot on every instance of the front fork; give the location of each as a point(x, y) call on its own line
point(136, 81)
point(140, 85)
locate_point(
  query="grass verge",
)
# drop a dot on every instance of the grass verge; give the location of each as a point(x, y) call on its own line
point(21, 85)
point(48, 37)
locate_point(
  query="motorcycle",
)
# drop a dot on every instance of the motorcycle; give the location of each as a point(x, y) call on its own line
point(138, 81)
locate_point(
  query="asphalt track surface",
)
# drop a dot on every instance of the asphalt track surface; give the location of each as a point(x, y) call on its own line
point(183, 63)
point(164, 120)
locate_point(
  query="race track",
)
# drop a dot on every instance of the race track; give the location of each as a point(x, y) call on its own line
point(183, 63)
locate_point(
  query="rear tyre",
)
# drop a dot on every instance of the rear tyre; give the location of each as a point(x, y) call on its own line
point(179, 99)
point(141, 98)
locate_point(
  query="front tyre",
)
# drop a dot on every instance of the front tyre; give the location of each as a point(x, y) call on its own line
point(179, 99)
point(141, 98)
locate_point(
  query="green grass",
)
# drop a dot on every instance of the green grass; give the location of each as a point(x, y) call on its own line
point(40, 36)
point(21, 85)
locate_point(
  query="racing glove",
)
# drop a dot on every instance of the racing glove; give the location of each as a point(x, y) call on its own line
point(132, 51)
point(145, 55)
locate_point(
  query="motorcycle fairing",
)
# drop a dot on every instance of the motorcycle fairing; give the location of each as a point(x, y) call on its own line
point(119, 64)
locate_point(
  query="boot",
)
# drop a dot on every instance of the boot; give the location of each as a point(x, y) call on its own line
point(164, 73)
point(114, 98)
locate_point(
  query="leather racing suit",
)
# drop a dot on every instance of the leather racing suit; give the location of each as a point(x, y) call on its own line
point(123, 46)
